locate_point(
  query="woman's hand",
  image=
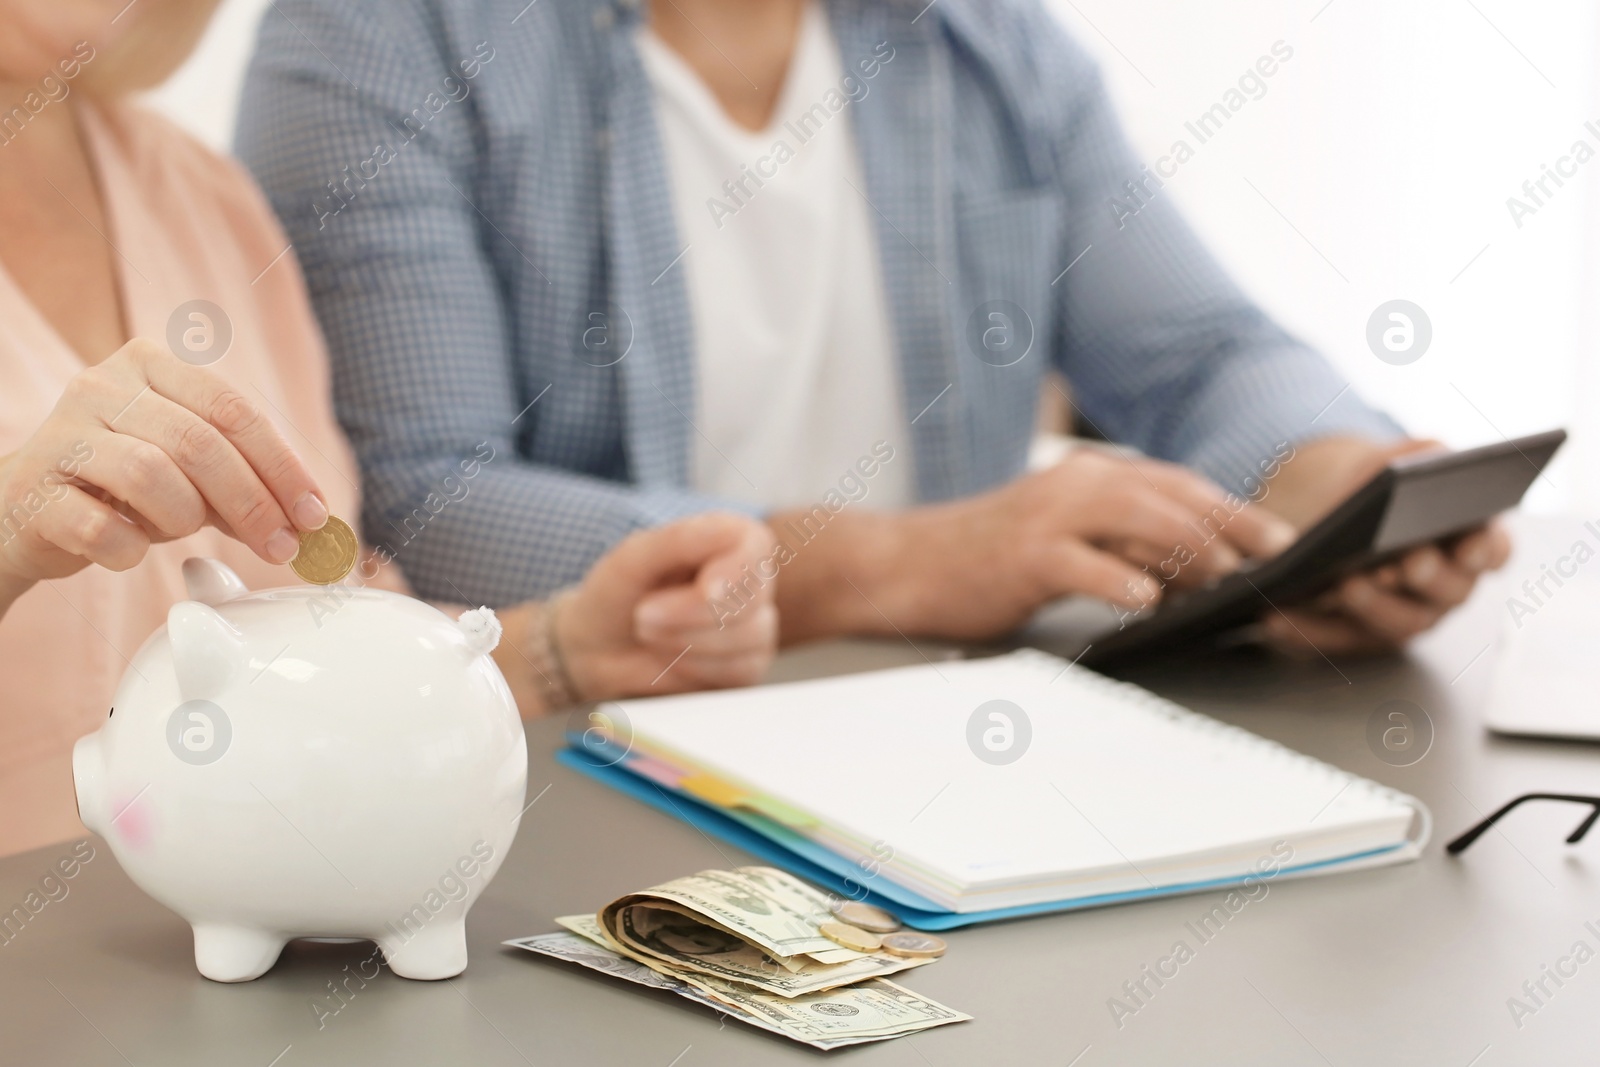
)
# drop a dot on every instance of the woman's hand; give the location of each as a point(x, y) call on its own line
point(672, 609)
point(145, 448)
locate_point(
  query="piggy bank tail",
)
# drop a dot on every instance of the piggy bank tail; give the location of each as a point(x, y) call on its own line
point(481, 629)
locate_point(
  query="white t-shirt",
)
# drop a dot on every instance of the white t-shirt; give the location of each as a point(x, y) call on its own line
point(797, 379)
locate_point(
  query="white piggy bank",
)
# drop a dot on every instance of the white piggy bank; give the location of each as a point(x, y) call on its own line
point(310, 762)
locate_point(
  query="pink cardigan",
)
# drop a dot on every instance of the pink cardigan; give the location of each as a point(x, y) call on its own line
point(186, 224)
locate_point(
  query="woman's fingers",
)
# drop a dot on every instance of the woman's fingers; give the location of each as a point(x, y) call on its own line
point(227, 448)
point(245, 426)
point(152, 449)
point(146, 479)
point(221, 474)
point(79, 525)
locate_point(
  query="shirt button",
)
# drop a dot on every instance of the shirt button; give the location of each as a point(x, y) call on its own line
point(604, 18)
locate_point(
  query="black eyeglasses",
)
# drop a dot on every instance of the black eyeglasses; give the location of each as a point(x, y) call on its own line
point(1460, 843)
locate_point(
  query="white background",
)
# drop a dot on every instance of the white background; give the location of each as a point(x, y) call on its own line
point(1380, 157)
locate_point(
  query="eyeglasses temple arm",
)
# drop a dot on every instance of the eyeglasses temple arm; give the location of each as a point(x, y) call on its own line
point(1460, 844)
point(1583, 827)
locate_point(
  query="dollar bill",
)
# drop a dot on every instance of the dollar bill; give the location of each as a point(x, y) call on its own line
point(761, 905)
point(746, 967)
point(838, 955)
point(687, 944)
point(586, 952)
point(755, 925)
point(876, 1010)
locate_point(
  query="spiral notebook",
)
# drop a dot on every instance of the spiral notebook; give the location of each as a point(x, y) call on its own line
point(965, 791)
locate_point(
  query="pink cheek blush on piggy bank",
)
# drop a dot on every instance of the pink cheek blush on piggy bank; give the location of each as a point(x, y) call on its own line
point(310, 762)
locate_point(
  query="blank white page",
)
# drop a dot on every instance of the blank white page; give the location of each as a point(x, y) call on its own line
point(1113, 776)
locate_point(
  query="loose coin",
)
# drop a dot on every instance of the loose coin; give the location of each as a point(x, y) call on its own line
point(852, 937)
point(864, 916)
point(916, 946)
point(328, 554)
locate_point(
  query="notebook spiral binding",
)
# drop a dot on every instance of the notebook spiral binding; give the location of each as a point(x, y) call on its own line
point(1130, 695)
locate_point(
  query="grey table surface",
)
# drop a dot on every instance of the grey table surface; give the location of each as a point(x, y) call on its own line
point(1409, 964)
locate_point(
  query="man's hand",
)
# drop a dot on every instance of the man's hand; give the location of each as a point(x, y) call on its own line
point(1385, 608)
point(654, 615)
point(1107, 526)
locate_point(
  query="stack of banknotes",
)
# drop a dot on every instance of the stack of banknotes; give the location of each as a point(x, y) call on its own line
point(762, 947)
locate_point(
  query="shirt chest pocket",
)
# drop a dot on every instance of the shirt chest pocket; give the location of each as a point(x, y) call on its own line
point(1007, 245)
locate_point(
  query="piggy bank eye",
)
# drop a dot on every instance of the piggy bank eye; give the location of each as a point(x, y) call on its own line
point(110, 713)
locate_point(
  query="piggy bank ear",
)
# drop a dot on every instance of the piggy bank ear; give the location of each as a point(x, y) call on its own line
point(211, 582)
point(206, 650)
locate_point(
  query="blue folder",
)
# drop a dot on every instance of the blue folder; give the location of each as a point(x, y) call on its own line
point(781, 847)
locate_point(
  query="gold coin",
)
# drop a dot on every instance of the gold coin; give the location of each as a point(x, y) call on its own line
point(851, 937)
point(328, 554)
point(913, 945)
point(864, 916)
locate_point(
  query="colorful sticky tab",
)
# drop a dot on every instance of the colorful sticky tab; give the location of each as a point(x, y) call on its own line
point(713, 790)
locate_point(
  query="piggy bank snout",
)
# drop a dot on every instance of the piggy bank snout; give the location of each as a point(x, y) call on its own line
point(88, 777)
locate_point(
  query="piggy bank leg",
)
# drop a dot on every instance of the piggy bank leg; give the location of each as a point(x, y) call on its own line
point(226, 953)
point(438, 950)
